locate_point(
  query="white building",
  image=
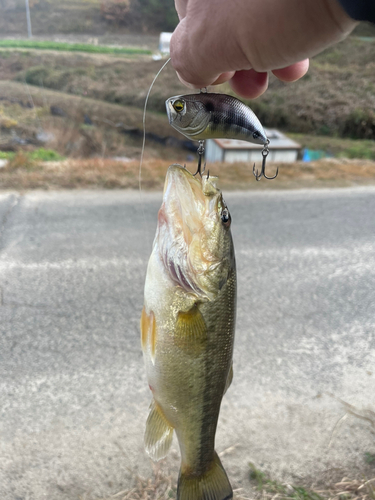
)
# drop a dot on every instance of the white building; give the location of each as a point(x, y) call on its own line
point(282, 149)
point(164, 42)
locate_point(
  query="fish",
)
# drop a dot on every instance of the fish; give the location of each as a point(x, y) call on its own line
point(210, 115)
point(187, 330)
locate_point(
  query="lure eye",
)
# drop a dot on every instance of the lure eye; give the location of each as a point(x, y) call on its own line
point(178, 106)
point(225, 218)
point(256, 135)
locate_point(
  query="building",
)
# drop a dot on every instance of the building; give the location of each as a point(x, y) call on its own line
point(164, 42)
point(282, 149)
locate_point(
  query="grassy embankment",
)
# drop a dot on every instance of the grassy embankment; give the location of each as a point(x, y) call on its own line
point(100, 100)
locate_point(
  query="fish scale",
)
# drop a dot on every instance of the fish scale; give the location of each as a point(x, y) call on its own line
point(188, 331)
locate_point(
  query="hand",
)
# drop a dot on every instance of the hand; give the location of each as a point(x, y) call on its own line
point(241, 40)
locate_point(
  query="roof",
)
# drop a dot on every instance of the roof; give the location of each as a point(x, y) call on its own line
point(277, 141)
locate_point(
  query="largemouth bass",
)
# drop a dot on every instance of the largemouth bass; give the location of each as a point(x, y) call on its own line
point(208, 116)
point(187, 330)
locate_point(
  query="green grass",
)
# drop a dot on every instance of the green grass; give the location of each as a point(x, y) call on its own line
point(283, 491)
point(39, 154)
point(338, 147)
point(6, 155)
point(71, 47)
point(42, 154)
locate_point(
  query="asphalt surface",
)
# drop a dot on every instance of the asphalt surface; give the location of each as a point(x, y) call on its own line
point(73, 393)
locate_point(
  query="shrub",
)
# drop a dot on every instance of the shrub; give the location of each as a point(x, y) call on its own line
point(360, 124)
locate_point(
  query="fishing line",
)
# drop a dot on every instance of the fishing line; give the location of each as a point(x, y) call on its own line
point(144, 139)
point(144, 123)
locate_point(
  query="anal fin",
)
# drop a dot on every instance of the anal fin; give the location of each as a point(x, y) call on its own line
point(159, 433)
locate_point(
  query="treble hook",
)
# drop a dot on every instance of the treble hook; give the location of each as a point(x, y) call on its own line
point(265, 152)
point(200, 152)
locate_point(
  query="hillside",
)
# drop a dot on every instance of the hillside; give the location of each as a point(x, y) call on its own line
point(90, 17)
point(90, 106)
point(335, 98)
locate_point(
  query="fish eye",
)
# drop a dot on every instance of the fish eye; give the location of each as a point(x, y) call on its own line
point(178, 106)
point(225, 218)
point(256, 135)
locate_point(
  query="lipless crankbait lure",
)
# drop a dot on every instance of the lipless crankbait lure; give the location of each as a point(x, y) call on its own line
point(209, 116)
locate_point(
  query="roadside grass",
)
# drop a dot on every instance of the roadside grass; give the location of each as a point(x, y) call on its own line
point(7, 155)
point(360, 488)
point(72, 47)
point(106, 173)
point(29, 160)
point(337, 146)
point(162, 486)
point(271, 489)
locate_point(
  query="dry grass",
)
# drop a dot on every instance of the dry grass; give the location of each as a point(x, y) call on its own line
point(162, 486)
point(103, 114)
point(334, 98)
point(158, 487)
point(99, 173)
point(359, 488)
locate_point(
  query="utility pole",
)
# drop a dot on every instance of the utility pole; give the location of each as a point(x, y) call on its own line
point(28, 19)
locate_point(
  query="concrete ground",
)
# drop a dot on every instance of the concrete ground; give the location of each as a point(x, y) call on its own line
point(73, 392)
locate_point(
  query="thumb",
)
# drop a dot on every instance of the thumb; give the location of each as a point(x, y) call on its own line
point(190, 61)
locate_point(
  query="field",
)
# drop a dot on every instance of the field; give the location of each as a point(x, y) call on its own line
point(70, 47)
point(82, 97)
point(86, 17)
point(88, 108)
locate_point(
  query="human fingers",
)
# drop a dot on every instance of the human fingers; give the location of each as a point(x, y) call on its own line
point(181, 6)
point(293, 72)
point(224, 77)
point(249, 83)
point(260, 34)
point(199, 55)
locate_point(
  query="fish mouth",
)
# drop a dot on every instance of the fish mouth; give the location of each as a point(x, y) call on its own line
point(187, 199)
point(188, 202)
point(183, 203)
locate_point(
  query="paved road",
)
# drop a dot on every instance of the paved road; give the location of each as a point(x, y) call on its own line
point(73, 395)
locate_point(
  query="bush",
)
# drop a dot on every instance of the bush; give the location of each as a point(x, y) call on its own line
point(360, 124)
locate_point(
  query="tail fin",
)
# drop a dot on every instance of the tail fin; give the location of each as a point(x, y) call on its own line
point(212, 485)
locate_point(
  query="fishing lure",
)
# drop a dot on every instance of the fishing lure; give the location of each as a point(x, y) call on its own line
point(209, 116)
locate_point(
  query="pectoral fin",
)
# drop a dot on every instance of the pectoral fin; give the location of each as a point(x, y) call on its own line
point(191, 331)
point(159, 434)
